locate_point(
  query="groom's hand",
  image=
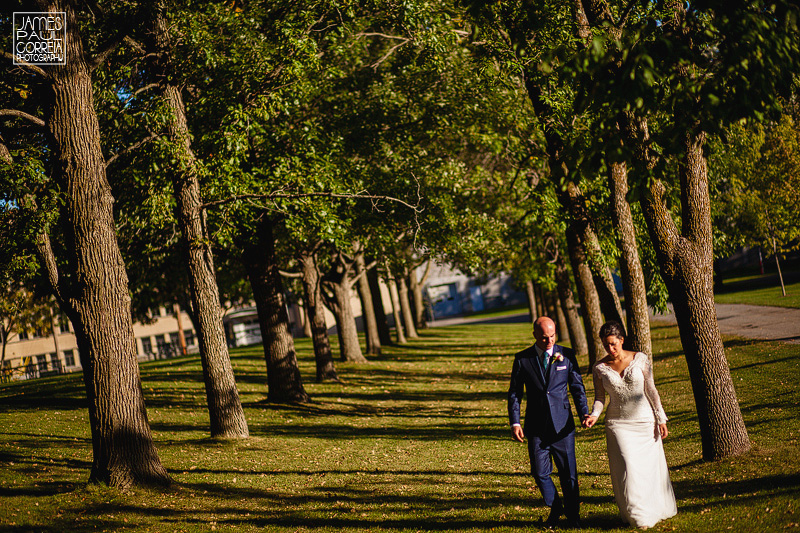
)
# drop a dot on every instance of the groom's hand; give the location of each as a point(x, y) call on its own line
point(588, 421)
point(516, 431)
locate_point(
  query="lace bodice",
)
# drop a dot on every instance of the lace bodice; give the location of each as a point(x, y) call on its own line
point(633, 395)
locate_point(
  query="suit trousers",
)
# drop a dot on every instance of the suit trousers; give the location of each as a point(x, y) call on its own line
point(562, 452)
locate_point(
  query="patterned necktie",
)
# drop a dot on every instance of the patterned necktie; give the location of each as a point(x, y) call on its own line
point(545, 361)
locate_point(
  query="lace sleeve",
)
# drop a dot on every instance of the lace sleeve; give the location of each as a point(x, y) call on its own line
point(599, 393)
point(650, 390)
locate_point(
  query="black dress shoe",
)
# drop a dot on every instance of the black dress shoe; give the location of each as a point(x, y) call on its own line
point(555, 512)
point(573, 523)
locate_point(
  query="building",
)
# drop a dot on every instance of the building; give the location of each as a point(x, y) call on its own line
point(56, 351)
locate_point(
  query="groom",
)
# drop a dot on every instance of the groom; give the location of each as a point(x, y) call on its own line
point(550, 373)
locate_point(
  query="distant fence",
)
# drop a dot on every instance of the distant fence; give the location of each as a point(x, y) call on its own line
point(28, 369)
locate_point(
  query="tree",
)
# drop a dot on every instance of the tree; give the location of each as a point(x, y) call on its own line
point(225, 408)
point(92, 285)
point(283, 376)
point(673, 70)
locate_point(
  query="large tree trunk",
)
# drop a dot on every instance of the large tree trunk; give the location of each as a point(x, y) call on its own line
point(577, 335)
point(638, 316)
point(415, 286)
point(339, 283)
point(283, 375)
point(384, 333)
point(98, 304)
point(315, 318)
point(405, 307)
point(686, 261)
point(224, 405)
point(398, 324)
point(367, 309)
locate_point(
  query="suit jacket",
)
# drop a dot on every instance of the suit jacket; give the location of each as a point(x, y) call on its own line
point(548, 413)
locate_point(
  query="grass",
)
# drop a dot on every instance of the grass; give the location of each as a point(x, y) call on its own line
point(761, 289)
point(417, 440)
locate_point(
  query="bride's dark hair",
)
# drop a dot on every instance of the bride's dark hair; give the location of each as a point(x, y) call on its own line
point(612, 328)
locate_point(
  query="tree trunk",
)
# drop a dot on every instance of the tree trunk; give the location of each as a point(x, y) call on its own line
point(540, 307)
point(587, 294)
point(339, 283)
point(531, 292)
point(398, 324)
point(367, 309)
point(638, 316)
point(307, 332)
point(283, 375)
point(561, 321)
point(315, 318)
point(224, 405)
point(582, 224)
point(377, 304)
point(686, 259)
point(405, 307)
point(416, 286)
point(577, 335)
point(98, 304)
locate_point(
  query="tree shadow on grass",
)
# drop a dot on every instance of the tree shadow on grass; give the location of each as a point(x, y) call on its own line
point(750, 491)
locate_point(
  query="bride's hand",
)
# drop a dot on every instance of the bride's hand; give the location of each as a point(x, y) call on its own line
point(589, 421)
point(662, 428)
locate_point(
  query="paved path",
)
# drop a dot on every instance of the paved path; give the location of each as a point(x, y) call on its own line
point(750, 321)
point(754, 322)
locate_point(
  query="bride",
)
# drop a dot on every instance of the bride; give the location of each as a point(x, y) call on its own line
point(635, 425)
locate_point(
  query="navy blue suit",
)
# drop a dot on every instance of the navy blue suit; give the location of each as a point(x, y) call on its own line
point(549, 424)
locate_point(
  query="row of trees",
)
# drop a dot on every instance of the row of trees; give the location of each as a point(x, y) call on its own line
point(199, 154)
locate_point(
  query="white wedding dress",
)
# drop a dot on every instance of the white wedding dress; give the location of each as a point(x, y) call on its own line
point(639, 473)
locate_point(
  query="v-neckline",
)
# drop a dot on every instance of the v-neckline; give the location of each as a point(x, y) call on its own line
point(621, 373)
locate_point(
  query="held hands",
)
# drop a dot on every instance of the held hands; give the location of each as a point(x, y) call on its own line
point(588, 421)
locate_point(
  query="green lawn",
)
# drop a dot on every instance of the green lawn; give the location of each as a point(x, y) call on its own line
point(764, 289)
point(417, 440)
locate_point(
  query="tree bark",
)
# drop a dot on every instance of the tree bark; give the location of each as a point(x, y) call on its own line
point(367, 309)
point(338, 281)
point(224, 405)
point(686, 261)
point(377, 304)
point(561, 320)
point(405, 307)
point(315, 318)
point(398, 323)
point(416, 286)
point(94, 292)
point(284, 383)
point(582, 224)
point(587, 294)
point(638, 316)
point(577, 334)
point(530, 290)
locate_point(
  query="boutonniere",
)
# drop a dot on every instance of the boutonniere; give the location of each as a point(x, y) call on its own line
point(556, 357)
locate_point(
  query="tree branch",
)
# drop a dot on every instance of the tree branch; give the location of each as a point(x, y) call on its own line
point(272, 196)
point(290, 274)
point(22, 114)
point(130, 148)
point(33, 68)
point(109, 48)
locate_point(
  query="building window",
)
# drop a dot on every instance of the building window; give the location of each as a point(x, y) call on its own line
point(63, 324)
point(188, 334)
point(69, 358)
point(147, 346)
point(174, 339)
point(41, 361)
point(23, 335)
